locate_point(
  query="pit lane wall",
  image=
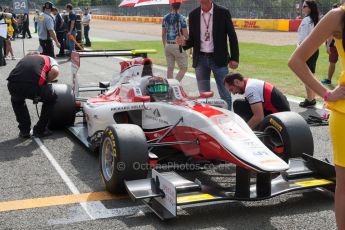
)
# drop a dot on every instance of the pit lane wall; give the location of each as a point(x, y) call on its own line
point(251, 24)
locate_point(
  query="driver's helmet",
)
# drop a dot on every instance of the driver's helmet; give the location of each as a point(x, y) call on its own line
point(158, 88)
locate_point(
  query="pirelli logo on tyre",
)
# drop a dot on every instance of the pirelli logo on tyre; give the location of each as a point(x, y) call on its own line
point(111, 136)
point(276, 125)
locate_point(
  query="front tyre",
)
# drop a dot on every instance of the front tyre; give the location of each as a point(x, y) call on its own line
point(123, 156)
point(288, 136)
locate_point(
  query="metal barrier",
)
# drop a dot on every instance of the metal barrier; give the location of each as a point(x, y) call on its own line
point(248, 9)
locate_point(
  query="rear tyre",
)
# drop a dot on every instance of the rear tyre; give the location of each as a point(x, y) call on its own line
point(64, 108)
point(289, 135)
point(123, 156)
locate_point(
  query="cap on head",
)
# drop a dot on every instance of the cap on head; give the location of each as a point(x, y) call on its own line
point(48, 5)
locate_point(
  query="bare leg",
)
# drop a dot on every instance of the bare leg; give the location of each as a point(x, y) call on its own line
point(181, 74)
point(331, 69)
point(8, 44)
point(340, 197)
point(170, 72)
point(310, 94)
point(10, 49)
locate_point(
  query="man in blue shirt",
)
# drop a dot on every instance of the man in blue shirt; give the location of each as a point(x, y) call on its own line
point(46, 33)
point(173, 25)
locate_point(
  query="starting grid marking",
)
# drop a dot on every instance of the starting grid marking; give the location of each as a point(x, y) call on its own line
point(57, 200)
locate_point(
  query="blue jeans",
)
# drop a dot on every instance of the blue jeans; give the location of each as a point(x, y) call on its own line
point(71, 45)
point(203, 74)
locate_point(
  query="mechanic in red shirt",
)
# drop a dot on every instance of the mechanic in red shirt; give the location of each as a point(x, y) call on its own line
point(28, 80)
point(261, 98)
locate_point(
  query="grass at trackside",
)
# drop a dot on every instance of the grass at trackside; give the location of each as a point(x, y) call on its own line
point(256, 60)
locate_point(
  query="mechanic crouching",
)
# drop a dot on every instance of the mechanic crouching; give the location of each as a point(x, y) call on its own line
point(28, 80)
point(261, 98)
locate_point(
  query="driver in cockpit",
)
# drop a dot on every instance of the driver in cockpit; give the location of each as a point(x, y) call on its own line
point(157, 88)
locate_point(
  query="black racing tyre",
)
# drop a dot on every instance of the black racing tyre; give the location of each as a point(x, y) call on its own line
point(64, 108)
point(123, 156)
point(289, 135)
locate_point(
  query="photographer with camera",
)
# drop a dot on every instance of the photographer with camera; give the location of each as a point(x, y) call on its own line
point(29, 80)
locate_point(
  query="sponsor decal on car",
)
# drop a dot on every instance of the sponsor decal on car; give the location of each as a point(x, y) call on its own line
point(156, 119)
point(127, 107)
point(156, 113)
point(177, 92)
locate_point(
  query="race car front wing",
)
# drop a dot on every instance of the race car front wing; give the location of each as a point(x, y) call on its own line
point(163, 192)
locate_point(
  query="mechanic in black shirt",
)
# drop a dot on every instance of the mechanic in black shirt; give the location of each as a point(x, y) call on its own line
point(71, 30)
point(28, 80)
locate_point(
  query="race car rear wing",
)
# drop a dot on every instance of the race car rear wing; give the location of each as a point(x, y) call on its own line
point(75, 60)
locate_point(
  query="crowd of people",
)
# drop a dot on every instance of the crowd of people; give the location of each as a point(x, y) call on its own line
point(51, 24)
point(60, 27)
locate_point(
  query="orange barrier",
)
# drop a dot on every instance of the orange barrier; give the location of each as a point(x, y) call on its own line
point(252, 24)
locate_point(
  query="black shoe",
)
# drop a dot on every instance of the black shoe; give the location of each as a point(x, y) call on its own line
point(306, 103)
point(46, 133)
point(24, 135)
point(60, 55)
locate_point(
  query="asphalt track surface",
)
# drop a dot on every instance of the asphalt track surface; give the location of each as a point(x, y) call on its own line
point(57, 173)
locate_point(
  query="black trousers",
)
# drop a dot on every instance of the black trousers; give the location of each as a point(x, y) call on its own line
point(2, 52)
point(86, 35)
point(60, 37)
point(242, 108)
point(48, 48)
point(20, 91)
point(25, 31)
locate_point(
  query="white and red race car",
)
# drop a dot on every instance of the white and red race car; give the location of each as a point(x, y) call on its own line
point(131, 128)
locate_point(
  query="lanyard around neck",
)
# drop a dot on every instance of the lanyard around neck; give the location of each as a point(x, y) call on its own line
point(209, 20)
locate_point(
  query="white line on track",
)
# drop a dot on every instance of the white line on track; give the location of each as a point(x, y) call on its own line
point(62, 174)
point(95, 209)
